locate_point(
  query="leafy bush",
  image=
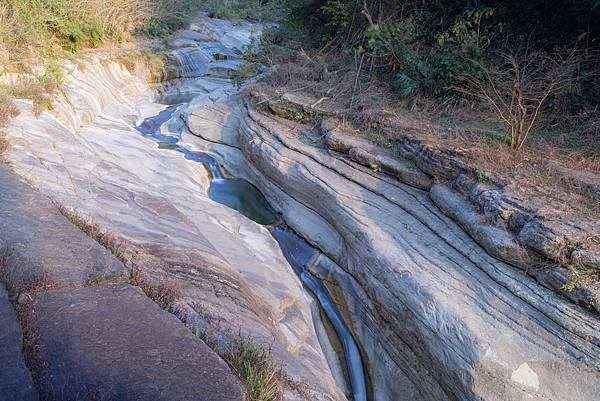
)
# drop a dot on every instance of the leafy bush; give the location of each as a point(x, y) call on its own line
point(442, 50)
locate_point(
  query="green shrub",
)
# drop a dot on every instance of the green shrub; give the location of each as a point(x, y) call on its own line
point(429, 48)
point(31, 28)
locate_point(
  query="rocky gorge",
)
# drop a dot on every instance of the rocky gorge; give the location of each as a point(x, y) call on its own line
point(437, 304)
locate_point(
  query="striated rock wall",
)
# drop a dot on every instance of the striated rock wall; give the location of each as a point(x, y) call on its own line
point(438, 317)
point(561, 251)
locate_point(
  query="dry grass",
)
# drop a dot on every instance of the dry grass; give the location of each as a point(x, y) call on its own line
point(31, 346)
point(3, 143)
point(164, 294)
point(149, 63)
point(93, 230)
point(31, 89)
point(8, 109)
point(251, 361)
point(19, 276)
point(466, 132)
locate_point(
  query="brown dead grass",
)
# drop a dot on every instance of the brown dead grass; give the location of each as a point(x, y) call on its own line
point(466, 131)
point(26, 88)
point(8, 109)
point(31, 345)
point(164, 294)
point(144, 62)
point(3, 143)
point(93, 230)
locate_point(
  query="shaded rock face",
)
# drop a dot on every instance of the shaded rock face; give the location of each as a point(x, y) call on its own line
point(87, 155)
point(33, 233)
point(82, 337)
point(15, 379)
point(438, 318)
point(87, 329)
point(553, 249)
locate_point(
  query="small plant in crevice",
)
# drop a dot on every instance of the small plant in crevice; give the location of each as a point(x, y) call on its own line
point(96, 281)
point(580, 277)
point(251, 361)
point(394, 152)
point(93, 230)
point(481, 176)
point(164, 294)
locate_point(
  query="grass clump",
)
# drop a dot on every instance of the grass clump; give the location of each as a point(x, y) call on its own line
point(93, 230)
point(164, 295)
point(251, 361)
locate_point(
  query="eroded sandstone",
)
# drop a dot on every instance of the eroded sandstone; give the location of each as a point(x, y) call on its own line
point(438, 317)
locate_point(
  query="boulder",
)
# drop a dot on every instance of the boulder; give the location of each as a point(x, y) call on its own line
point(113, 342)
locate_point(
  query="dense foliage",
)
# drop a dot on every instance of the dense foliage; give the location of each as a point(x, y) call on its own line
point(44, 27)
point(428, 46)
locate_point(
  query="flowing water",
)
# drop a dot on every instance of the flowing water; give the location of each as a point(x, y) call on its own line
point(244, 197)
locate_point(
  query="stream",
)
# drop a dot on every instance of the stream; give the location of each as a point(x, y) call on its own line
point(244, 197)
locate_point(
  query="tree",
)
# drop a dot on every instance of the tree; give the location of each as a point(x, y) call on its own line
point(518, 88)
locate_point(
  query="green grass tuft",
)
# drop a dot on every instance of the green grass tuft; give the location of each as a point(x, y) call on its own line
point(251, 361)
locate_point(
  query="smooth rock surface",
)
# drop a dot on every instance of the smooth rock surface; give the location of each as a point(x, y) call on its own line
point(113, 342)
point(15, 379)
point(439, 318)
point(33, 235)
point(229, 270)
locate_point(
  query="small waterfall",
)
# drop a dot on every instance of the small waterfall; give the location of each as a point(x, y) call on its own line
point(193, 61)
point(242, 196)
point(302, 255)
point(208, 59)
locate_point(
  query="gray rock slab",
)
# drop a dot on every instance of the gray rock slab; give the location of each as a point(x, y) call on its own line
point(437, 316)
point(15, 379)
point(41, 244)
point(114, 342)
